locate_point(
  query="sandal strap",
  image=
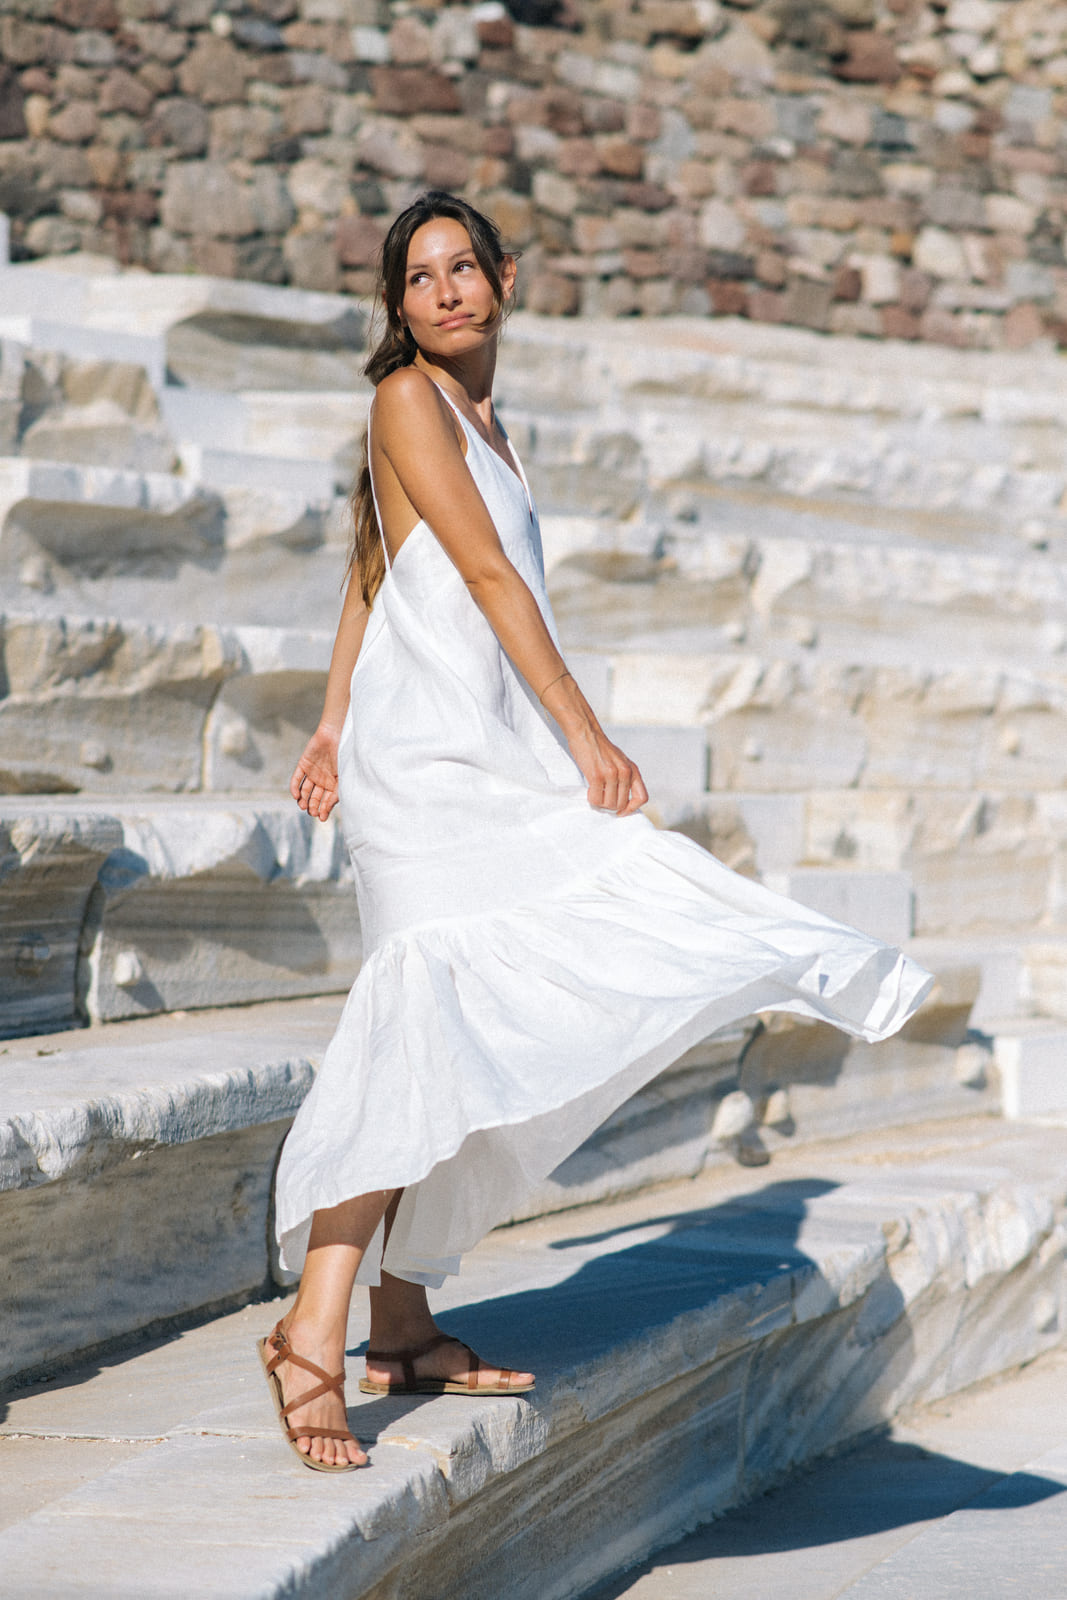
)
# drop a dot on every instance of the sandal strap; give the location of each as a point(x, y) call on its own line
point(407, 1358)
point(327, 1384)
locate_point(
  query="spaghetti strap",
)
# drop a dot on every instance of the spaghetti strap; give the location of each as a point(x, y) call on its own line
point(374, 497)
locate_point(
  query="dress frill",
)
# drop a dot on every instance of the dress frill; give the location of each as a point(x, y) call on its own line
point(475, 1053)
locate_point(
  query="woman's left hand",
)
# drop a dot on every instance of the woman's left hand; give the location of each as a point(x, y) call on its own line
point(314, 782)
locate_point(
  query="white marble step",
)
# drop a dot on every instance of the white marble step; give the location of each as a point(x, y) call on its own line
point(691, 1349)
point(105, 1132)
point(123, 908)
point(960, 1498)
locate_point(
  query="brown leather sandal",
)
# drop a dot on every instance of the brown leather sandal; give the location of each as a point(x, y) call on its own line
point(413, 1385)
point(275, 1349)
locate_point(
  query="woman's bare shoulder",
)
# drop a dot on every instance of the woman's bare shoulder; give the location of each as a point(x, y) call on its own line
point(404, 393)
point(408, 401)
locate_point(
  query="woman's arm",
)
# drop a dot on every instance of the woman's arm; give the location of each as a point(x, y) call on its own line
point(415, 433)
point(314, 783)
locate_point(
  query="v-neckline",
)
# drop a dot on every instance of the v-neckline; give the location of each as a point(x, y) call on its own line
point(516, 469)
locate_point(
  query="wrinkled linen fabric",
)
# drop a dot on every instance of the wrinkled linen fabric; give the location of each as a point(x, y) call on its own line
point(529, 962)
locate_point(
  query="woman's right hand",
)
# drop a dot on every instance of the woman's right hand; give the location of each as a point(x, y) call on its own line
point(615, 784)
point(314, 782)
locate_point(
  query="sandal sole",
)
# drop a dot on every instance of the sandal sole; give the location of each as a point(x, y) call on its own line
point(441, 1386)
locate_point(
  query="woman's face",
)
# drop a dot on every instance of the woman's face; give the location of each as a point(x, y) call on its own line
point(448, 300)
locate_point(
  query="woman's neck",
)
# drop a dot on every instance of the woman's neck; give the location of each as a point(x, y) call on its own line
point(468, 378)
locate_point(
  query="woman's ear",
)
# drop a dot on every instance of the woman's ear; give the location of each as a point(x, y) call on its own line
point(509, 271)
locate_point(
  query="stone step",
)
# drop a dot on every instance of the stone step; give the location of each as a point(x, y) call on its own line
point(778, 722)
point(117, 908)
point(109, 707)
point(100, 704)
point(629, 461)
point(691, 1349)
point(112, 541)
point(973, 1483)
point(985, 865)
point(214, 333)
point(780, 576)
point(555, 365)
point(187, 1111)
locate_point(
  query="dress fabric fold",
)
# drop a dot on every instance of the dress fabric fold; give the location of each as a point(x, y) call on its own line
point(529, 962)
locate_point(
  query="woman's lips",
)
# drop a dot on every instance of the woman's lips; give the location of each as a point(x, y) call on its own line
point(455, 322)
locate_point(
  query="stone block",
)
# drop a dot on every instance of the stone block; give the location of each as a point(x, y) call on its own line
point(673, 759)
point(49, 862)
point(1032, 1062)
point(406, 91)
point(213, 72)
point(878, 903)
point(313, 481)
point(100, 433)
point(107, 705)
point(161, 1158)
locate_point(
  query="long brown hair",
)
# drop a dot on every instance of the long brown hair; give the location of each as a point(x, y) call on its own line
point(396, 348)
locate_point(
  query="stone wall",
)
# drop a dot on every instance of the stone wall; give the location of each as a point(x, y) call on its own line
point(882, 167)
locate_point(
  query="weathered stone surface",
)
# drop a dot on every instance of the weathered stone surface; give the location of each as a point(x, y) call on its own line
point(841, 1296)
point(48, 866)
point(103, 705)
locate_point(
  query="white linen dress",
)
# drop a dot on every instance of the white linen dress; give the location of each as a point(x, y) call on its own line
point(529, 962)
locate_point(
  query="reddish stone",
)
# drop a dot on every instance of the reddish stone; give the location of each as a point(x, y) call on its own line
point(646, 196)
point(770, 268)
point(728, 297)
point(563, 112)
point(848, 284)
point(12, 118)
point(123, 92)
point(610, 116)
point(306, 110)
point(644, 263)
point(28, 44)
point(551, 295)
point(36, 81)
point(915, 289)
point(498, 140)
point(975, 146)
point(359, 240)
point(764, 305)
point(689, 264)
point(107, 165)
point(402, 91)
point(446, 168)
point(871, 59)
point(213, 72)
point(131, 205)
point(759, 178)
point(1023, 325)
point(1022, 159)
point(101, 14)
point(621, 159)
point(941, 327)
point(899, 323)
point(215, 257)
point(643, 122)
point(77, 123)
point(497, 33)
point(577, 158)
point(881, 212)
point(156, 78)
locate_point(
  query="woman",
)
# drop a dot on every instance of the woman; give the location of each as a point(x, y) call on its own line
point(534, 949)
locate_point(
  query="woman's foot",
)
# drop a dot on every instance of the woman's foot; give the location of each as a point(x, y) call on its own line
point(328, 1411)
point(427, 1364)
